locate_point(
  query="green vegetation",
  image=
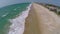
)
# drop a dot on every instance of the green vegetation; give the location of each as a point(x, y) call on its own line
point(53, 8)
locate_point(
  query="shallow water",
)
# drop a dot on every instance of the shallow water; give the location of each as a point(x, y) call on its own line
point(10, 12)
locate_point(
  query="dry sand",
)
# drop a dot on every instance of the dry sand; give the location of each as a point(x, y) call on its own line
point(41, 21)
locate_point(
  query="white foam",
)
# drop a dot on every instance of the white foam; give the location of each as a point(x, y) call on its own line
point(18, 23)
point(4, 15)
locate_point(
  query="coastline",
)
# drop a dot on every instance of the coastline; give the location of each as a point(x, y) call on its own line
point(41, 21)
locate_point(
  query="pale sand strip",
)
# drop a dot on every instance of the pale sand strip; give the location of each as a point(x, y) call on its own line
point(41, 21)
point(32, 23)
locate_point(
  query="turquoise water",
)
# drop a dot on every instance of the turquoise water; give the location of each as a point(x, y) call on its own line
point(9, 12)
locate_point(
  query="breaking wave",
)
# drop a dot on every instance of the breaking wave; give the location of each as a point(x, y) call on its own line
point(18, 23)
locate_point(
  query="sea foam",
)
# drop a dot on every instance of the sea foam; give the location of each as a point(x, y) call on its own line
point(18, 23)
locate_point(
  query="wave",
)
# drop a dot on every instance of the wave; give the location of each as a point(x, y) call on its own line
point(4, 15)
point(18, 23)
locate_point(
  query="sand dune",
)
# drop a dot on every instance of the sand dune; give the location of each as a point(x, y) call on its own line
point(41, 21)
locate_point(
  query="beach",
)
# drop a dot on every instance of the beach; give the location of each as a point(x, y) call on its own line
point(41, 21)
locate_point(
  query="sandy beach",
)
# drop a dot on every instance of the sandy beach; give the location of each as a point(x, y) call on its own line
point(41, 21)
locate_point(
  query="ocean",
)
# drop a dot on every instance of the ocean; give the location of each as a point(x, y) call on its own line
point(12, 18)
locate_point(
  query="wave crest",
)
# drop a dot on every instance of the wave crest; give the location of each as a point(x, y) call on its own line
point(18, 23)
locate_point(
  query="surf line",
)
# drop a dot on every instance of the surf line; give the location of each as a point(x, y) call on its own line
point(18, 23)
